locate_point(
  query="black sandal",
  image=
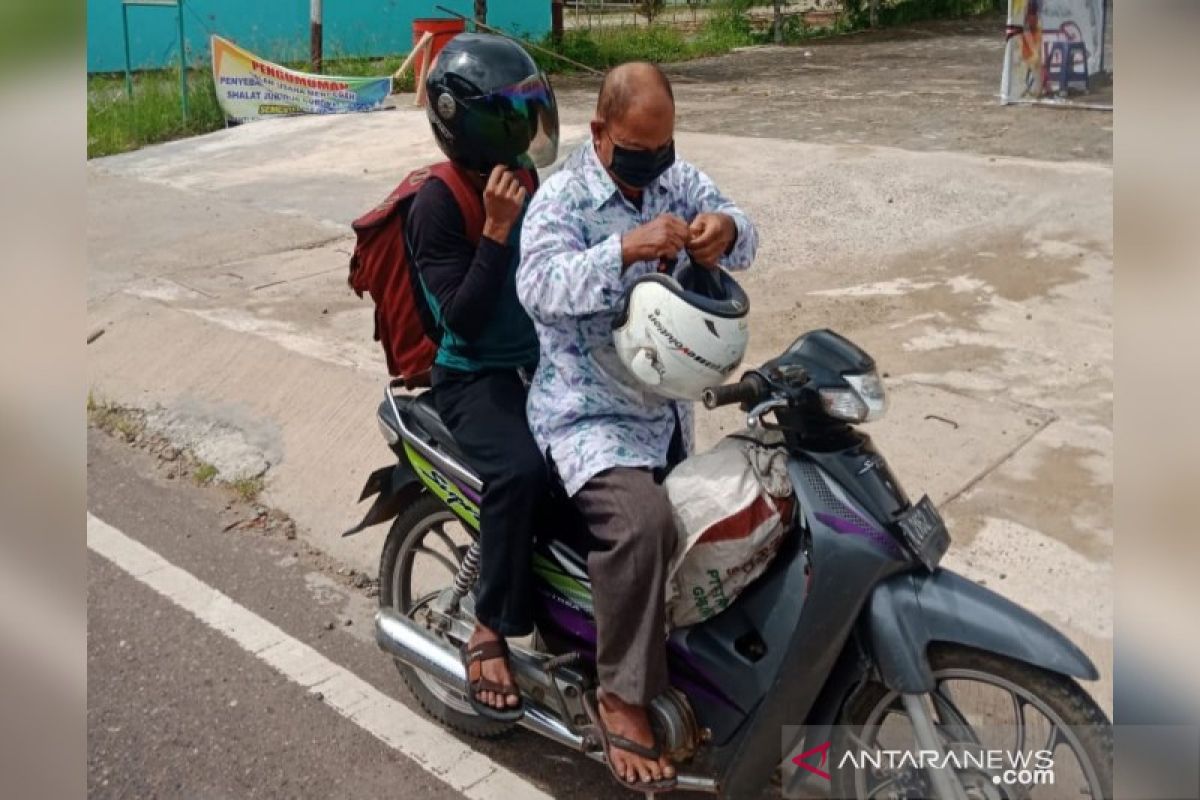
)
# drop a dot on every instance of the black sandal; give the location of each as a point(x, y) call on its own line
point(609, 741)
point(486, 651)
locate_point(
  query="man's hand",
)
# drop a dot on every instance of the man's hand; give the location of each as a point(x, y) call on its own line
point(711, 237)
point(503, 199)
point(661, 238)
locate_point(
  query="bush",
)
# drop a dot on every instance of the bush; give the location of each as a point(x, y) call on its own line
point(857, 12)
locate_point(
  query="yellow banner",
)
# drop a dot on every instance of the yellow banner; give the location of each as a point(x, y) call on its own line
point(250, 88)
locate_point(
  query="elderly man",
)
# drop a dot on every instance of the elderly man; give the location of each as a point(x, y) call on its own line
point(621, 206)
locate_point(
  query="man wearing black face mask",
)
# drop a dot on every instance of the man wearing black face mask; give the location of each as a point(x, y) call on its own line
point(621, 206)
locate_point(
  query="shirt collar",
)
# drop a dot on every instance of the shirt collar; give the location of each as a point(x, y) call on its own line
point(600, 184)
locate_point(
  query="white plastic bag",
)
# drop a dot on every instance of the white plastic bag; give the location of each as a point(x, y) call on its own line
point(732, 507)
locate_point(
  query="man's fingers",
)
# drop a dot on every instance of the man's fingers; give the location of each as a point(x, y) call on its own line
point(706, 254)
point(704, 229)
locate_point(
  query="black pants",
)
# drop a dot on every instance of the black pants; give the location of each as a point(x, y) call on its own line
point(486, 413)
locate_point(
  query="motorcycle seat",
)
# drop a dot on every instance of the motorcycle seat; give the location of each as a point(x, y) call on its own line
point(425, 416)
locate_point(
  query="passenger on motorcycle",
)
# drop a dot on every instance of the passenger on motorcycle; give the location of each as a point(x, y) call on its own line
point(493, 114)
point(621, 206)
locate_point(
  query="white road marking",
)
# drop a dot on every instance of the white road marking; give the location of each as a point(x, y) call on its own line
point(454, 763)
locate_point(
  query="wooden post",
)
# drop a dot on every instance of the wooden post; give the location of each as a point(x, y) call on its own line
point(427, 46)
point(779, 23)
point(874, 13)
point(556, 20)
point(426, 38)
point(316, 40)
point(481, 11)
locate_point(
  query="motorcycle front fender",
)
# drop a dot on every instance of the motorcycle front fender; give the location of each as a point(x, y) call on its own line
point(396, 487)
point(910, 611)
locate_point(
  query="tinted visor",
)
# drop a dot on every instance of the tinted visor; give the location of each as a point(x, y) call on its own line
point(516, 125)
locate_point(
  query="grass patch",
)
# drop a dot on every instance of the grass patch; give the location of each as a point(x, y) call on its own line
point(204, 474)
point(116, 124)
point(113, 419)
point(248, 488)
point(603, 48)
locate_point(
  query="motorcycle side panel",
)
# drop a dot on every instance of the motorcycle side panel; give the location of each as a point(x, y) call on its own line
point(908, 612)
point(446, 490)
point(803, 609)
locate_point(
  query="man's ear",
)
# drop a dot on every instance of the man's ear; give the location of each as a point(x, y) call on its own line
point(597, 126)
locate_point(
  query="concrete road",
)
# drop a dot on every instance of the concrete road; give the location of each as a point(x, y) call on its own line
point(975, 266)
point(273, 687)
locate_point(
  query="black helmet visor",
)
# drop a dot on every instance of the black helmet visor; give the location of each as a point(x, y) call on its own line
point(516, 125)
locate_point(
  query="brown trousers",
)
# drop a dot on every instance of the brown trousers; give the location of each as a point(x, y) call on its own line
point(630, 515)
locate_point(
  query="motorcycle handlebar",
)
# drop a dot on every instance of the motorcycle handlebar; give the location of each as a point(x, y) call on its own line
point(748, 390)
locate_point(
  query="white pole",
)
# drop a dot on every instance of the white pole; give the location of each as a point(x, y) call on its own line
point(1006, 72)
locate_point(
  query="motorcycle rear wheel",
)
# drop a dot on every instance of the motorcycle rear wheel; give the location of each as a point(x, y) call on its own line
point(417, 543)
point(1073, 718)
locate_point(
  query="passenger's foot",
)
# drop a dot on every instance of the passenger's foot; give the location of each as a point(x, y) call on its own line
point(628, 721)
point(491, 671)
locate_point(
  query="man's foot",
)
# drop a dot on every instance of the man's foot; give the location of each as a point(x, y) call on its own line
point(493, 670)
point(631, 722)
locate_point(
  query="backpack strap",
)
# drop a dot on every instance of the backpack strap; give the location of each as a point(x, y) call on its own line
point(469, 200)
point(470, 203)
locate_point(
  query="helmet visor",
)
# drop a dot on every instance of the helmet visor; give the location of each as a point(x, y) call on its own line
point(516, 125)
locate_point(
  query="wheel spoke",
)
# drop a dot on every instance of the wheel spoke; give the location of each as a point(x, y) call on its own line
point(421, 602)
point(951, 719)
point(883, 783)
point(439, 530)
point(1019, 722)
point(450, 566)
point(1055, 739)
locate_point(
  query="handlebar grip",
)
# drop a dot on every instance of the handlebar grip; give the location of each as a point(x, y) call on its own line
point(747, 390)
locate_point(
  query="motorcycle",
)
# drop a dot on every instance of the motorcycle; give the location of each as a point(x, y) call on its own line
point(852, 630)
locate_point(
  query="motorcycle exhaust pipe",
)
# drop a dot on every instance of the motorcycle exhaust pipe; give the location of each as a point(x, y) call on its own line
point(417, 647)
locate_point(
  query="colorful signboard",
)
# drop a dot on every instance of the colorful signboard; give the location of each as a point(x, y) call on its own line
point(250, 88)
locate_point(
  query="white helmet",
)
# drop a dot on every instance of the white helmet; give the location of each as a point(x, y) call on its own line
point(683, 334)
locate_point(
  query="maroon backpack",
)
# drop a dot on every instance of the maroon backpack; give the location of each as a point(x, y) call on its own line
point(380, 267)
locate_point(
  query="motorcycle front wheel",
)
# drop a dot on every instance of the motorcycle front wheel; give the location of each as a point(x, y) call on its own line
point(989, 705)
point(424, 549)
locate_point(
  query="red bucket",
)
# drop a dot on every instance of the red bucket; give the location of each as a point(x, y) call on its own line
point(443, 30)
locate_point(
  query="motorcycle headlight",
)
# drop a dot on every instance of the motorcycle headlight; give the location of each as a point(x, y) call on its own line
point(862, 401)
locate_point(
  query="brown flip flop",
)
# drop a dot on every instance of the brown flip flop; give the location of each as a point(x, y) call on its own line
point(610, 741)
point(486, 651)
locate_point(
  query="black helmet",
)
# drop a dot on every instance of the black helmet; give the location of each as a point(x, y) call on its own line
point(489, 104)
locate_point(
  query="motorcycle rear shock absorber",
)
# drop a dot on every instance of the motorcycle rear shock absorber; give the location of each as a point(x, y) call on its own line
point(464, 579)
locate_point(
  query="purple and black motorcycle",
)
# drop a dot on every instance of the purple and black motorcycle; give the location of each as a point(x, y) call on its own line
point(852, 646)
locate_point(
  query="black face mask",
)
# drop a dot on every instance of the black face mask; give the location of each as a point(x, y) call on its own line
point(639, 168)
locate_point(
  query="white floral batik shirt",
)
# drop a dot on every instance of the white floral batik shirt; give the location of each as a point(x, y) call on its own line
point(582, 410)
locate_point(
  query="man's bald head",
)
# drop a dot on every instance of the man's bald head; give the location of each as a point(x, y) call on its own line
point(633, 84)
point(636, 113)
